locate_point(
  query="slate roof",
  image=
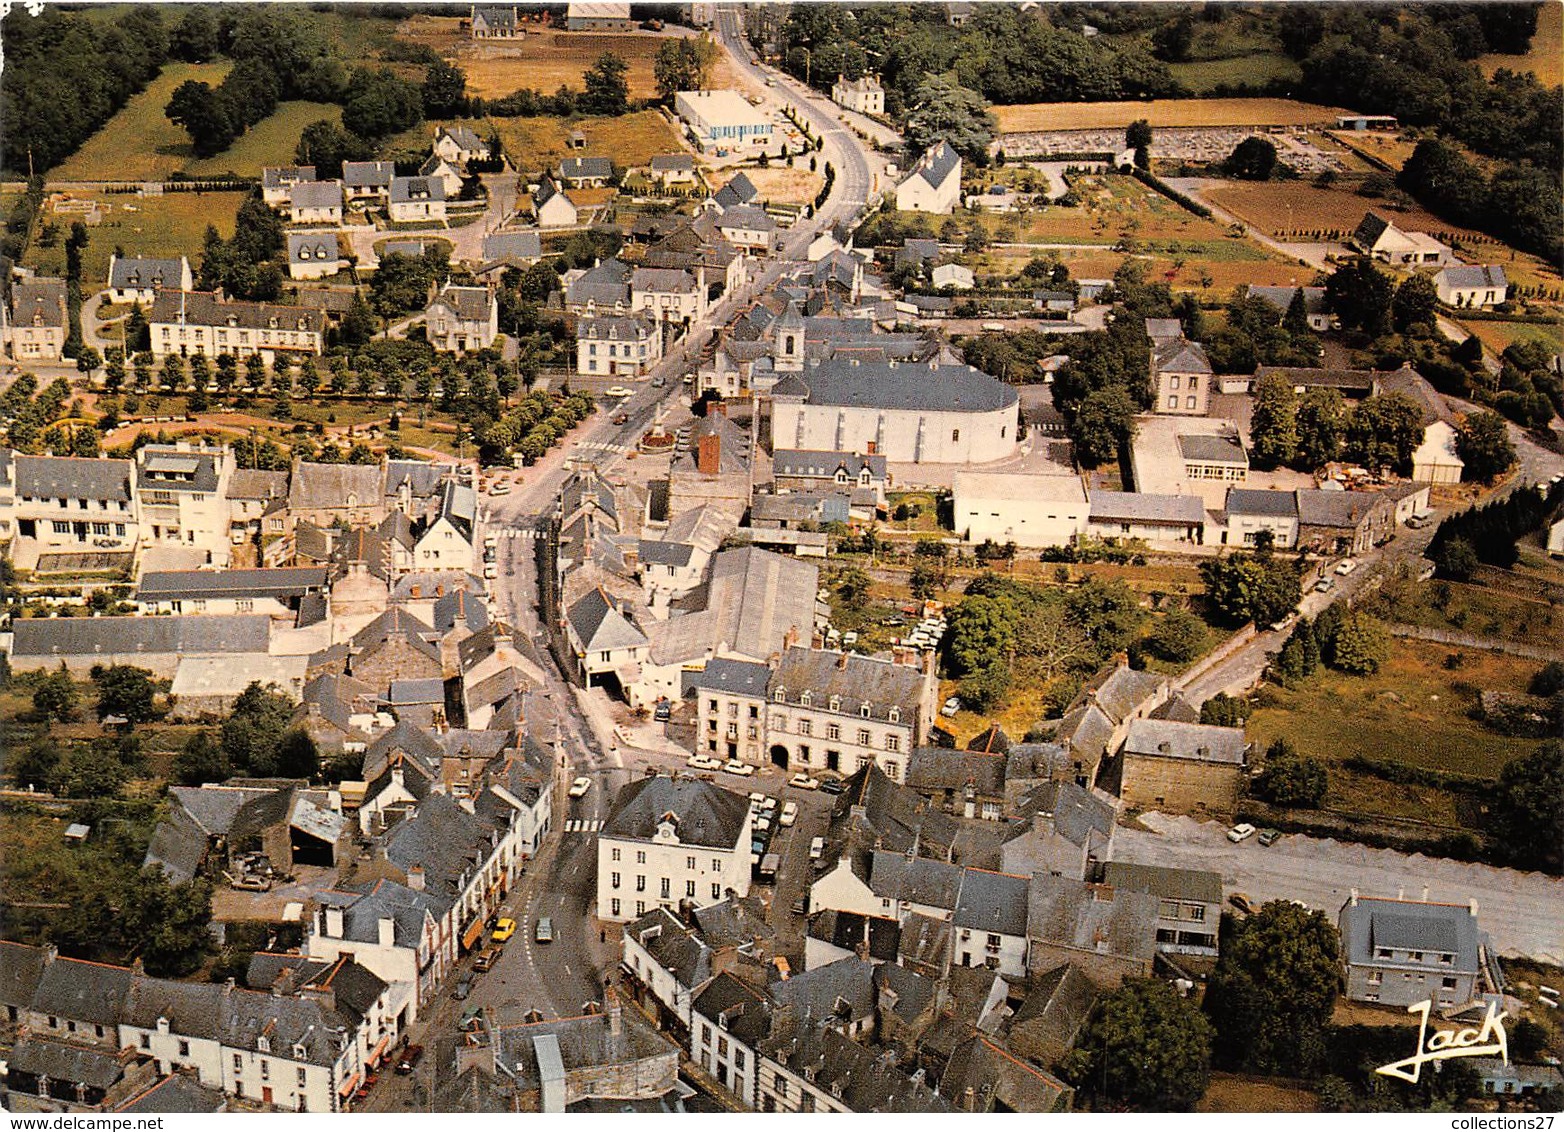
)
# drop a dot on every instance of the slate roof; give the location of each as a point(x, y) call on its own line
point(856, 679)
point(672, 163)
point(1068, 810)
point(282, 176)
point(276, 582)
point(1196, 741)
point(1282, 298)
point(1060, 1001)
point(1409, 925)
point(172, 469)
point(734, 921)
point(999, 1081)
point(81, 991)
point(580, 168)
point(1481, 276)
point(251, 484)
point(1343, 509)
point(1124, 690)
point(747, 217)
point(141, 272)
point(580, 1044)
point(600, 627)
point(1172, 884)
point(364, 905)
point(1144, 507)
point(843, 991)
point(313, 247)
point(1370, 229)
point(405, 190)
point(1212, 449)
point(673, 946)
point(176, 1093)
point(368, 174)
point(202, 308)
point(316, 194)
point(526, 244)
point(860, 1079)
point(463, 137)
point(445, 840)
point(1091, 917)
point(72, 477)
point(918, 251)
point(1249, 501)
point(939, 768)
point(21, 969)
point(192, 1009)
point(328, 486)
point(875, 812)
point(460, 608)
point(752, 600)
point(39, 300)
point(918, 879)
point(65, 1061)
point(470, 304)
point(83, 636)
point(394, 622)
point(604, 285)
point(738, 191)
point(892, 385)
point(738, 1007)
point(936, 165)
point(992, 902)
point(706, 815)
point(662, 280)
point(1085, 729)
point(803, 462)
point(1180, 356)
point(403, 739)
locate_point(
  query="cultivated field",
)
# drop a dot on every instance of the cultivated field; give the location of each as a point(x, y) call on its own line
point(1277, 206)
point(168, 225)
point(1499, 336)
point(271, 141)
point(1162, 112)
point(1546, 57)
point(536, 144)
point(782, 185)
point(139, 143)
point(545, 59)
point(1250, 69)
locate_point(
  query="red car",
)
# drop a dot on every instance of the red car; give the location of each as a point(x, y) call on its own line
point(411, 1056)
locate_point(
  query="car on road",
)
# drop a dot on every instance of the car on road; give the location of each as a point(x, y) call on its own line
point(504, 929)
point(703, 762)
point(802, 781)
point(487, 958)
point(491, 570)
point(801, 906)
point(411, 1056)
point(817, 848)
point(1325, 584)
point(463, 986)
point(789, 814)
point(544, 932)
point(579, 788)
point(663, 712)
point(1240, 832)
point(621, 418)
point(738, 767)
point(501, 488)
point(1346, 566)
point(1242, 902)
point(832, 786)
point(1270, 836)
point(617, 391)
point(659, 381)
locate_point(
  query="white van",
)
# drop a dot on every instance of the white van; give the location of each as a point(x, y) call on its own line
point(1420, 520)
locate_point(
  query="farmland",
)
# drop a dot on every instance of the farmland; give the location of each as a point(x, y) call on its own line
point(168, 225)
point(271, 141)
point(1161, 112)
point(782, 185)
point(1498, 336)
point(1277, 206)
point(541, 143)
point(545, 59)
point(1546, 57)
point(139, 143)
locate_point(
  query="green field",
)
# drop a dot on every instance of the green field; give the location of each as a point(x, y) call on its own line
point(271, 141)
point(1244, 70)
point(168, 225)
point(139, 143)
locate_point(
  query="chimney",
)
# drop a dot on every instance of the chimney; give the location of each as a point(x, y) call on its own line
point(334, 927)
point(1353, 898)
point(615, 1019)
point(415, 878)
point(708, 454)
point(387, 931)
point(1472, 904)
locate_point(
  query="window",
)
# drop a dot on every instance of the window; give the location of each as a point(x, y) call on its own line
point(711, 706)
point(266, 1070)
point(1448, 982)
point(865, 710)
point(894, 715)
point(1195, 912)
point(613, 880)
point(1190, 402)
point(716, 892)
point(238, 1063)
point(640, 882)
point(689, 863)
point(299, 1076)
point(614, 906)
point(1416, 956)
point(738, 1059)
point(806, 698)
point(722, 1047)
point(836, 703)
point(955, 435)
point(1382, 953)
point(893, 742)
point(640, 856)
point(705, 1034)
point(1194, 384)
point(184, 1047)
point(689, 889)
point(833, 731)
point(665, 890)
point(780, 696)
point(146, 1041)
point(716, 864)
point(1173, 401)
point(805, 726)
point(1173, 382)
point(863, 736)
point(640, 907)
point(614, 854)
point(781, 1086)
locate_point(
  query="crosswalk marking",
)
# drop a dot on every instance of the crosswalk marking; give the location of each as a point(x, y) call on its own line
point(579, 825)
point(602, 446)
point(521, 532)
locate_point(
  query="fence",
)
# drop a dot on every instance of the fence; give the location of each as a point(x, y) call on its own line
point(1217, 655)
point(1473, 641)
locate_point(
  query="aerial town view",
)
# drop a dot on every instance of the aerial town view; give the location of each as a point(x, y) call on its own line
point(676, 558)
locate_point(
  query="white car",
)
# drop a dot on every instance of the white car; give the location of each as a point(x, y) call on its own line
point(1240, 832)
point(756, 798)
point(768, 804)
point(1346, 567)
point(734, 766)
point(762, 825)
point(789, 814)
point(952, 706)
point(491, 540)
point(500, 488)
point(850, 637)
point(617, 391)
point(491, 570)
point(804, 782)
point(703, 762)
point(817, 849)
point(580, 786)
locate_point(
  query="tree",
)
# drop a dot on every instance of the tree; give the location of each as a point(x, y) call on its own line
point(196, 107)
point(326, 145)
point(1273, 990)
point(55, 696)
point(201, 760)
point(125, 691)
point(982, 632)
point(1527, 814)
point(37, 764)
point(1300, 655)
point(607, 90)
point(1321, 426)
point(1104, 424)
point(923, 580)
point(985, 689)
point(253, 732)
point(1360, 295)
point(1222, 710)
point(1253, 159)
point(1147, 1047)
point(1362, 645)
point(444, 91)
point(378, 103)
point(1138, 135)
point(1173, 40)
point(170, 922)
point(1415, 306)
point(1245, 587)
point(1482, 440)
point(1179, 637)
point(684, 63)
point(194, 38)
point(1383, 431)
point(1290, 779)
point(852, 585)
point(943, 110)
point(1274, 424)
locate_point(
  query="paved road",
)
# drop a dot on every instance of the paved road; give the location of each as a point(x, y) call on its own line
point(1523, 912)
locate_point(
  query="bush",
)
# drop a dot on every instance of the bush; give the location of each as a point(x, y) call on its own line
point(1290, 779)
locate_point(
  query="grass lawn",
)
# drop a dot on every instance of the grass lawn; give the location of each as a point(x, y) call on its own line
point(1256, 68)
point(139, 143)
point(1470, 609)
point(168, 225)
point(1546, 57)
point(1161, 112)
point(1413, 710)
point(271, 141)
point(1498, 336)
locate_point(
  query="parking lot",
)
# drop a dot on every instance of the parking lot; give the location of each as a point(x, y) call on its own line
point(1522, 912)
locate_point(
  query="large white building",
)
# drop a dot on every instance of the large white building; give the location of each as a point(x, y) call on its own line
point(671, 842)
point(462, 319)
point(617, 345)
point(934, 185)
point(864, 95)
point(909, 412)
point(1028, 510)
point(722, 119)
point(198, 322)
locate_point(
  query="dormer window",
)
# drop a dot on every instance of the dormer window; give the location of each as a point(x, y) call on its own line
point(263, 1044)
point(836, 703)
point(865, 709)
point(779, 696)
point(272, 322)
point(806, 699)
point(233, 320)
point(894, 715)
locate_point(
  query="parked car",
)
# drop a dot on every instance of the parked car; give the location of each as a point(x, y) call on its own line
point(579, 788)
point(1325, 584)
point(504, 929)
point(789, 814)
point(1243, 903)
point(738, 767)
point(1240, 832)
point(801, 906)
point(621, 418)
point(832, 786)
point(952, 706)
point(663, 712)
point(756, 797)
point(501, 488)
point(544, 932)
point(486, 960)
point(463, 986)
point(1270, 836)
point(803, 782)
point(659, 381)
point(616, 391)
point(1346, 566)
point(491, 570)
point(411, 1056)
point(703, 762)
point(817, 848)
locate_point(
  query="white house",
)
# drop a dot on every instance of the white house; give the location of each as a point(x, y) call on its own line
point(71, 504)
point(1436, 460)
point(865, 95)
point(552, 208)
point(954, 276)
point(671, 842)
point(605, 641)
point(1028, 510)
point(366, 180)
point(723, 119)
point(138, 279)
point(667, 294)
point(447, 172)
point(417, 199)
point(911, 413)
point(494, 23)
point(314, 255)
point(1251, 511)
point(198, 322)
point(1181, 372)
point(1379, 239)
point(748, 228)
point(669, 169)
point(459, 145)
point(934, 185)
point(315, 202)
point(1480, 286)
point(39, 323)
point(277, 181)
point(462, 319)
point(447, 542)
point(617, 345)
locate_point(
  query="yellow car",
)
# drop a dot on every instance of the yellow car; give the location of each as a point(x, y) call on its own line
point(504, 929)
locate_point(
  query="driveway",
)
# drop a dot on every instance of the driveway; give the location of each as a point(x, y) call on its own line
point(1523, 912)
